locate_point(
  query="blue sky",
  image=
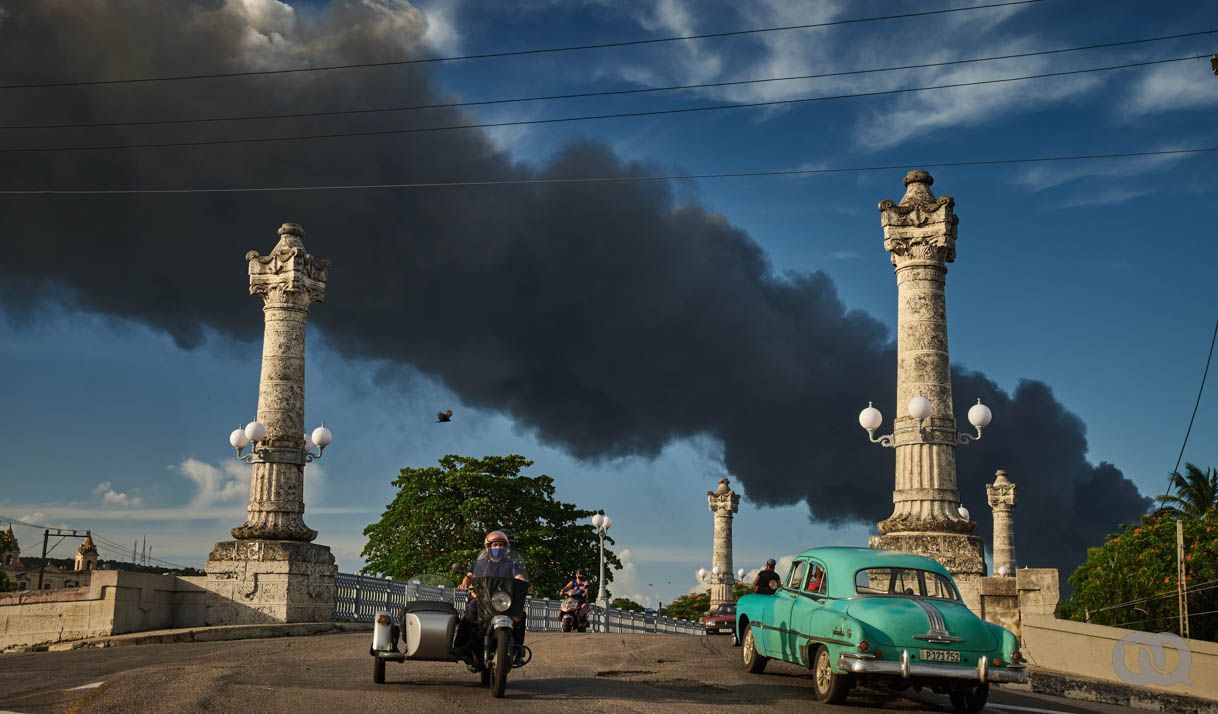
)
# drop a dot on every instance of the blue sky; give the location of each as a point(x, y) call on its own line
point(1092, 276)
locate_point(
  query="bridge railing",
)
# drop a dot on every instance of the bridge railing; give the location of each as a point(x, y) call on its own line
point(359, 597)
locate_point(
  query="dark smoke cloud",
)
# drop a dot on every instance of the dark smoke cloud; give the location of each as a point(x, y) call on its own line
point(611, 319)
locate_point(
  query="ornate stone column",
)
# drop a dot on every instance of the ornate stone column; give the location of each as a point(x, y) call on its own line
point(1001, 496)
point(723, 502)
point(271, 572)
point(920, 235)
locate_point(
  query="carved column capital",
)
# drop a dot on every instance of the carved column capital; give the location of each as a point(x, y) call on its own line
point(920, 227)
point(723, 499)
point(289, 276)
point(1001, 493)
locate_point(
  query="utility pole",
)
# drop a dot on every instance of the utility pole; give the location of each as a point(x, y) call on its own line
point(1181, 595)
point(46, 536)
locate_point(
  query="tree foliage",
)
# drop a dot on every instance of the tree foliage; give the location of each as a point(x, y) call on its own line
point(625, 603)
point(1131, 580)
point(1196, 492)
point(695, 606)
point(440, 515)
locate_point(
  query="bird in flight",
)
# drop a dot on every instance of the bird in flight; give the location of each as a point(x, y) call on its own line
point(444, 416)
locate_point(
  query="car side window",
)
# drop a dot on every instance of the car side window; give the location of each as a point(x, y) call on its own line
point(816, 580)
point(795, 578)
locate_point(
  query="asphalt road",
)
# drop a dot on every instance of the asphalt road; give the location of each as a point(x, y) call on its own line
point(327, 673)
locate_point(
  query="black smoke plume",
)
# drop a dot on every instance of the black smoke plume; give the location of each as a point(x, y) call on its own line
point(610, 318)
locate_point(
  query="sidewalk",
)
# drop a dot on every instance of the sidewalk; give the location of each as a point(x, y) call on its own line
point(203, 634)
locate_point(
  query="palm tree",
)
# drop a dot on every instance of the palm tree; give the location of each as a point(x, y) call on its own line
point(1196, 492)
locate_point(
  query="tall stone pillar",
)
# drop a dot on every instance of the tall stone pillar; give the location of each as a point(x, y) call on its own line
point(723, 502)
point(271, 572)
point(920, 235)
point(1001, 496)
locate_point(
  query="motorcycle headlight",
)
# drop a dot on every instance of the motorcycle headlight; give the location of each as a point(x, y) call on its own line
point(501, 601)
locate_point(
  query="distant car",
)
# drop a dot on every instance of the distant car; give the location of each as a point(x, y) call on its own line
point(723, 619)
point(857, 614)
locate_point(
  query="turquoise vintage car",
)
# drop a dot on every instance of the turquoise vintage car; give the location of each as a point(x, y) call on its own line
point(857, 614)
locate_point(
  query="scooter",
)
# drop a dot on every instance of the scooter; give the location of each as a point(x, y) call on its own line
point(432, 631)
point(573, 611)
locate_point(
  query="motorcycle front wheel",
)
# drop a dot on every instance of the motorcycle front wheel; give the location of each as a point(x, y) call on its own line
point(566, 625)
point(503, 663)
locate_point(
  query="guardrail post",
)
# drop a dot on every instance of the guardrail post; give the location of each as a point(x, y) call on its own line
point(355, 607)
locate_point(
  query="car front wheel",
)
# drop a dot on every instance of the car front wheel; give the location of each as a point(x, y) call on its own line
point(830, 687)
point(754, 663)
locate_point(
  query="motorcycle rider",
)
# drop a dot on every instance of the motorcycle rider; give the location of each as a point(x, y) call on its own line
point(578, 589)
point(494, 562)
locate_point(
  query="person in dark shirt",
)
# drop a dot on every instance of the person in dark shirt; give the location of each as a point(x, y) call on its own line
point(767, 580)
point(495, 561)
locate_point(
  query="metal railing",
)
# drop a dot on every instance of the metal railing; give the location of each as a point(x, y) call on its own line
point(358, 598)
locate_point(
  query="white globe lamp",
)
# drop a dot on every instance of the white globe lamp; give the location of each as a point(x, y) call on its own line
point(870, 418)
point(919, 407)
point(255, 431)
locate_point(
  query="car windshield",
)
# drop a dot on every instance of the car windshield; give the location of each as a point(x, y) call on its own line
point(726, 610)
point(904, 581)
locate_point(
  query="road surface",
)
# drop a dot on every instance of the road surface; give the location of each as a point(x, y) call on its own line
point(327, 673)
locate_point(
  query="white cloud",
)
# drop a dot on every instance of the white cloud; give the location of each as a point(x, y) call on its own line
point(1170, 87)
point(115, 498)
point(229, 483)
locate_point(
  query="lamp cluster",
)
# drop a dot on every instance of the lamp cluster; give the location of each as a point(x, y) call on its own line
point(920, 409)
point(255, 432)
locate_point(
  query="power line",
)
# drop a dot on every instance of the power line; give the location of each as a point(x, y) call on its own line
point(1165, 617)
point(518, 53)
point(98, 540)
point(604, 179)
point(1198, 587)
point(603, 93)
point(1196, 404)
point(590, 117)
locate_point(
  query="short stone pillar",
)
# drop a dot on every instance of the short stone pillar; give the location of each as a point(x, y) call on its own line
point(723, 502)
point(271, 572)
point(920, 237)
point(1001, 496)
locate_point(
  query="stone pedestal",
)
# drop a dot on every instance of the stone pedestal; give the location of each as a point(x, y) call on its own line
point(256, 581)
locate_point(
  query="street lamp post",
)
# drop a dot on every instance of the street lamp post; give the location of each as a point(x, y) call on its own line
point(602, 524)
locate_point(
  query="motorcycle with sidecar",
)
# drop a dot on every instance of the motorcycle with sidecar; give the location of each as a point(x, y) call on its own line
point(436, 631)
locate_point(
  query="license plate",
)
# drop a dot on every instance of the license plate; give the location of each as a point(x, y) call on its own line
point(940, 656)
point(725, 629)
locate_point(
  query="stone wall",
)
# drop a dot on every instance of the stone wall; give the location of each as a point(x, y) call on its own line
point(114, 602)
point(1005, 600)
point(1097, 652)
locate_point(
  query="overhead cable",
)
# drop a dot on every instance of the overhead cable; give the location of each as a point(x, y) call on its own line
point(602, 179)
point(589, 117)
point(602, 93)
point(1196, 404)
point(517, 53)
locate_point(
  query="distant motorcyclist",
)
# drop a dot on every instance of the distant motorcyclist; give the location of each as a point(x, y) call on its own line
point(494, 562)
point(578, 588)
point(767, 580)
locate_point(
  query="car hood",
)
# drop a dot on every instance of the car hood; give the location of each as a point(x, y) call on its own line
point(916, 622)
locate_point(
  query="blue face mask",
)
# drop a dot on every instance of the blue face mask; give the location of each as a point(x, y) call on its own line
point(496, 551)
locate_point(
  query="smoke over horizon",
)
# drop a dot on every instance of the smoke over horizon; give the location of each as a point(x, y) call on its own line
point(610, 319)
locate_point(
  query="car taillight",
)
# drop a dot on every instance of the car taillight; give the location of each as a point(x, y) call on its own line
point(383, 620)
point(997, 661)
point(863, 646)
point(1016, 656)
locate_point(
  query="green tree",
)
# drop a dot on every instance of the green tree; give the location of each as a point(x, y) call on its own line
point(625, 603)
point(6, 546)
point(1130, 581)
point(441, 513)
point(1196, 492)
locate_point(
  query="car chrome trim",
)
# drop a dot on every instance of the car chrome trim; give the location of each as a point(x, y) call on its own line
point(983, 668)
point(904, 668)
point(797, 633)
point(857, 655)
point(501, 621)
point(938, 626)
